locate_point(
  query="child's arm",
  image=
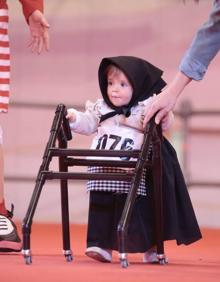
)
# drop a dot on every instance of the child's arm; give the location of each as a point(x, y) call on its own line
point(84, 123)
point(71, 115)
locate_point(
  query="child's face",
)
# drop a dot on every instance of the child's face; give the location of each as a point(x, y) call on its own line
point(119, 89)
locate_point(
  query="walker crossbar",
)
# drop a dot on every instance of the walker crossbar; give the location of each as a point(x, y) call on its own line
point(60, 133)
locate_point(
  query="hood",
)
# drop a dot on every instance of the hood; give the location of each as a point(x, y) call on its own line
point(144, 77)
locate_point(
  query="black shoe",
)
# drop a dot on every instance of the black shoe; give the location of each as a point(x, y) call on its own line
point(9, 239)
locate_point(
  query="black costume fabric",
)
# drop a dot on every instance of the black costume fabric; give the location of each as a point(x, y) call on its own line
point(180, 223)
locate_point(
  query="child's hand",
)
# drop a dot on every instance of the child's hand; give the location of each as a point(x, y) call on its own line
point(71, 115)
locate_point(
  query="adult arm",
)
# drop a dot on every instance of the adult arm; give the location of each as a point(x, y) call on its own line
point(204, 46)
point(33, 12)
point(29, 6)
point(193, 66)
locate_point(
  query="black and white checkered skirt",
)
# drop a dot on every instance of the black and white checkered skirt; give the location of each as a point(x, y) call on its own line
point(114, 185)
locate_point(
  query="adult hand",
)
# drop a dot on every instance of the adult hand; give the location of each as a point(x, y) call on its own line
point(39, 29)
point(164, 102)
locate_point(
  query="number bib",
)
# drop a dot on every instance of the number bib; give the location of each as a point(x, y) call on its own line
point(112, 136)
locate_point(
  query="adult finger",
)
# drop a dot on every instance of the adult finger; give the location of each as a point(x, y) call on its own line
point(35, 43)
point(40, 45)
point(160, 115)
point(152, 110)
point(46, 39)
point(44, 22)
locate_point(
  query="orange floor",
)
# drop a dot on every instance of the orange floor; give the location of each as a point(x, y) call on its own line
point(198, 262)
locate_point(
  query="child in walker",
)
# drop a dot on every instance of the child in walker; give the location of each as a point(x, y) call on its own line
point(128, 85)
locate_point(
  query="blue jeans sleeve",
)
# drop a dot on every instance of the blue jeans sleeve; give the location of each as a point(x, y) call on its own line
point(204, 47)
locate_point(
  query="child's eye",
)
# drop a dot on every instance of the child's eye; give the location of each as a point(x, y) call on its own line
point(109, 83)
point(123, 84)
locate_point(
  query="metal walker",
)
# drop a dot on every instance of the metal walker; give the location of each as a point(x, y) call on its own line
point(56, 146)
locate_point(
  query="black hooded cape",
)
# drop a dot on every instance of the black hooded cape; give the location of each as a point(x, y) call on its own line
point(179, 218)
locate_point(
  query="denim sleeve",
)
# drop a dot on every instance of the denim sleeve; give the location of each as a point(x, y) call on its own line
point(204, 46)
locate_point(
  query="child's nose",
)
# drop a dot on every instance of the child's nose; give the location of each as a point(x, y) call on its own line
point(115, 87)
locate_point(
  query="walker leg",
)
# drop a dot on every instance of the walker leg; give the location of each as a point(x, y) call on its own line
point(158, 198)
point(64, 201)
point(27, 222)
point(65, 222)
point(27, 256)
point(123, 260)
point(131, 197)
